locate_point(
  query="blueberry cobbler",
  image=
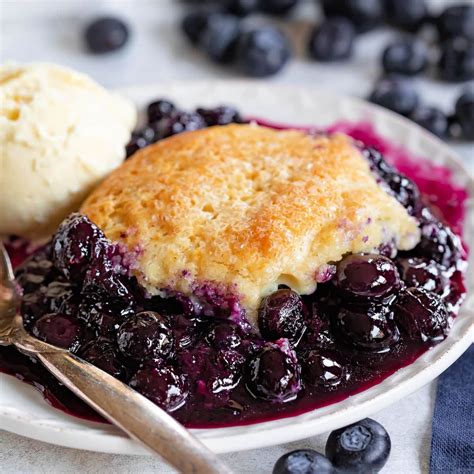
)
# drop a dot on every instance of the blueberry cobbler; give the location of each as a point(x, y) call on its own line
point(239, 273)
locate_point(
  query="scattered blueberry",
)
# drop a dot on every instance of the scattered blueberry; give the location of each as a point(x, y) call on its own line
point(59, 330)
point(456, 63)
point(406, 15)
point(303, 461)
point(332, 40)
point(395, 93)
point(277, 7)
point(262, 52)
point(457, 20)
point(360, 448)
point(282, 315)
point(219, 37)
point(106, 34)
point(408, 56)
point(431, 118)
point(76, 244)
point(365, 14)
point(369, 328)
point(241, 7)
point(322, 368)
point(222, 115)
point(465, 114)
point(195, 22)
point(164, 386)
point(160, 109)
point(274, 374)
point(422, 315)
point(145, 336)
point(367, 276)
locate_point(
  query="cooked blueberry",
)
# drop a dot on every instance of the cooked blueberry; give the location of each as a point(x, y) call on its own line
point(406, 192)
point(224, 372)
point(56, 294)
point(33, 306)
point(159, 109)
point(145, 335)
point(322, 368)
point(303, 461)
point(409, 57)
point(360, 448)
point(277, 7)
point(274, 374)
point(367, 276)
point(222, 115)
point(140, 139)
point(101, 353)
point(406, 15)
point(282, 314)
point(422, 273)
point(368, 328)
point(181, 122)
point(59, 330)
point(456, 63)
point(457, 20)
point(224, 336)
point(219, 38)
point(241, 7)
point(395, 93)
point(439, 243)
point(106, 34)
point(465, 113)
point(365, 14)
point(164, 386)
point(431, 118)
point(34, 272)
point(377, 162)
point(262, 52)
point(76, 243)
point(185, 331)
point(422, 315)
point(332, 40)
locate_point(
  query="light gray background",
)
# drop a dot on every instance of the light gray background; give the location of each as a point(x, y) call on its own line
point(51, 31)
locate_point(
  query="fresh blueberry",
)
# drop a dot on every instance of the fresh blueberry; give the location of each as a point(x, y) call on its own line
point(101, 353)
point(181, 122)
point(59, 330)
point(277, 7)
point(369, 328)
point(456, 63)
point(222, 115)
point(406, 15)
point(322, 368)
point(159, 109)
point(262, 52)
point(431, 118)
point(365, 14)
point(145, 335)
point(408, 56)
point(195, 22)
point(274, 374)
point(106, 34)
point(360, 448)
point(76, 244)
point(465, 114)
point(457, 20)
point(422, 273)
point(332, 40)
point(422, 315)
point(140, 139)
point(395, 93)
point(219, 38)
point(303, 461)
point(164, 386)
point(282, 315)
point(241, 7)
point(366, 276)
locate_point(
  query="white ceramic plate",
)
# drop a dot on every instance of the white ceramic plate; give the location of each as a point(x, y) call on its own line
point(22, 409)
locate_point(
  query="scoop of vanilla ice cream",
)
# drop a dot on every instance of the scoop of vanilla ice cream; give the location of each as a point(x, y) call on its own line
point(60, 134)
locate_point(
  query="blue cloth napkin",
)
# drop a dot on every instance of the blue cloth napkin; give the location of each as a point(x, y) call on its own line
point(452, 443)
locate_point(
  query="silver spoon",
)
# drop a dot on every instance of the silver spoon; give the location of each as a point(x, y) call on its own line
point(136, 415)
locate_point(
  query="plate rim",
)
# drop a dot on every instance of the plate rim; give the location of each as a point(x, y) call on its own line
point(111, 440)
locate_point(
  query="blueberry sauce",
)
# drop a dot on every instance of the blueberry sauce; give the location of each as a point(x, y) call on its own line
point(199, 360)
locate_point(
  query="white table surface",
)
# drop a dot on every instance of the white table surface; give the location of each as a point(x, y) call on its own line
point(37, 30)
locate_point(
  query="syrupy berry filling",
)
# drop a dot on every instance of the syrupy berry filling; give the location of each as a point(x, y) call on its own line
point(198, 358)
